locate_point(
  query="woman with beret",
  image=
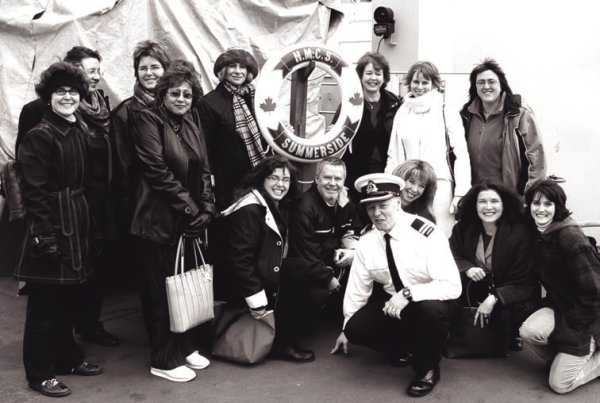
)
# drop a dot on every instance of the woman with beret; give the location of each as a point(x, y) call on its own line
point(173, 198)
point(492, 248)
point(422, 129)
point(368, 150)
point(419, 189)
point(255, 274)
point(55, 259)
point(227, 114)
point(566, 331)
point(503, 138)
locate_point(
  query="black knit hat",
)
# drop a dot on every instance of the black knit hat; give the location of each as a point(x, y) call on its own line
point(236, 56)
point(61, 74)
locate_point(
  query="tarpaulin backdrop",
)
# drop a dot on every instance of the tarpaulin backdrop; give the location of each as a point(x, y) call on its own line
point(34, 34)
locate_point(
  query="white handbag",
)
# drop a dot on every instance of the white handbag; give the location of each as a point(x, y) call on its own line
point(190, 293)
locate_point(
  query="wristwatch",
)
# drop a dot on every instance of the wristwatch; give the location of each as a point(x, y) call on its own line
point(495, 295)
point(407, 294)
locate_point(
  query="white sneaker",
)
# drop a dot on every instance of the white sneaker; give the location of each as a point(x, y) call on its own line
point(179, 374)
point(196, 361)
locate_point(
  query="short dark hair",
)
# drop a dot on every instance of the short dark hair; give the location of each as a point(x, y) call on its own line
point(512, 203)
point(179, 71)
point(335, 161)
point(422, 171)
point(256, 177)
point(61, 74)
point(554, 192)
point(428, 70)
point(151, 49)
point(493, 66)
point(379, 63)
point(78, 53)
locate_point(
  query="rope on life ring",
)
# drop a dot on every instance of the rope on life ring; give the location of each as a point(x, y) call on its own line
point(267, 104)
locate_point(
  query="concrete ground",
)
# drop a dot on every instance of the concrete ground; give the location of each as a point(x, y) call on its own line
point(362, 376)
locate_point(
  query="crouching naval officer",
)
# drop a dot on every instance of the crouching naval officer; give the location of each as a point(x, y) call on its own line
point(411, 308)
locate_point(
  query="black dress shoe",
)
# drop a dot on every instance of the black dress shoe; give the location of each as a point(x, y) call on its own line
point(293, 354)
point(424, 384)
point(102, 337)
point(51, 387)
point(84, 369)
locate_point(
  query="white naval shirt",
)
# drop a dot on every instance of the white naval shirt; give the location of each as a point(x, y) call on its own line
point(423, 258)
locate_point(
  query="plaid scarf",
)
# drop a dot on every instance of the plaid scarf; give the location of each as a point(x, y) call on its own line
point(143, 95)
point(95, 111)
point(245, 124)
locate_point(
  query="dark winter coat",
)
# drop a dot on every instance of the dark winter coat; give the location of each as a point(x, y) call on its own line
point(174, 183)
point(54, 164)
point(358, 155)
point(316, 231)
point(254, 252)
point(569, 268)
point(125, 175)
point(226, 150)
point(514, 277)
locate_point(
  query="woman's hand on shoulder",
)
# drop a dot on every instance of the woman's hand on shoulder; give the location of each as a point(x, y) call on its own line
point(475, 274)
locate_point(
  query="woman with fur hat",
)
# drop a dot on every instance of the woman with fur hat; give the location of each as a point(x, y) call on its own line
point(227, 114)
point(55, 260)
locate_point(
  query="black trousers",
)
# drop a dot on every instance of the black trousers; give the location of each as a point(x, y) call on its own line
point(292, 309)
point(48, 344)
point(89, 307)
point(422, 329)
point(168, 349)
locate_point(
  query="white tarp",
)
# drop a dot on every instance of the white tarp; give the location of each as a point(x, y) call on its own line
point(34, 34)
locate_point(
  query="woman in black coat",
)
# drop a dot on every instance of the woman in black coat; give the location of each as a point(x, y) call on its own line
point(55, 256)
point(566, 331)
point(368, 151)
point(254, 273)
point(493, 251)
point(227, 114)
point(173, 198)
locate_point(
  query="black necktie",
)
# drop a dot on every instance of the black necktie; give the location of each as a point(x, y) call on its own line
point(392, 264)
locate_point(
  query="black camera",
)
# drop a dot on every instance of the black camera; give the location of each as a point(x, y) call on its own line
point(384, 22)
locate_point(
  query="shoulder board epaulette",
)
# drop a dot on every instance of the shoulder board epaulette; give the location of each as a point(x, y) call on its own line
point(422, 227)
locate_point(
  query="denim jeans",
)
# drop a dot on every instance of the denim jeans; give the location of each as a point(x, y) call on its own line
point(567, 371)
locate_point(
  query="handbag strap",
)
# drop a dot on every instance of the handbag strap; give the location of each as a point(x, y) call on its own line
point(180, 254)
point(198, 251)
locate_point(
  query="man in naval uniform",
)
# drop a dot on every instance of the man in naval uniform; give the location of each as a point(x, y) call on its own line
point(402, 284)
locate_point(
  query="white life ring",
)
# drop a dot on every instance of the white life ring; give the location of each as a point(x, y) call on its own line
point(266, 103)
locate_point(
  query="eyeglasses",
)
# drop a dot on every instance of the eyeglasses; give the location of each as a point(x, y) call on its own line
point(94, 72)
point(490, 82)
point(177, 94)
point(61, 92)
point(274, 178)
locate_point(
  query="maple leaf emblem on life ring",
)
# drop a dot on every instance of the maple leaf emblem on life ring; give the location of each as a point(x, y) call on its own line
point(268, 105)
point(371, 187)
point(356, 100)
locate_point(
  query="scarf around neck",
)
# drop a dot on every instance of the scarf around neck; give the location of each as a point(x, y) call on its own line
point(245, 124)
point(143, 95)
point(94, 110)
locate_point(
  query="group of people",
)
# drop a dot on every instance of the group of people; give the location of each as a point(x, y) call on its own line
point(173, 162)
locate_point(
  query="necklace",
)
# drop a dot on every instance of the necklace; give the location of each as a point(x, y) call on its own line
point(370, 104)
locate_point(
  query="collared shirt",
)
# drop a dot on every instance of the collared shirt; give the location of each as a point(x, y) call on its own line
point(423, 259)
point(485, 142)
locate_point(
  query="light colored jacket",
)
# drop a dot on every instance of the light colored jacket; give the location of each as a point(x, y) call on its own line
point(419, 132)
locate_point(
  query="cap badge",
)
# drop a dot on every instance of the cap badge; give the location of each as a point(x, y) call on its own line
point(371, 187)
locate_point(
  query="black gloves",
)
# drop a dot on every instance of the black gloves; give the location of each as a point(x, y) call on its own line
point(45, 246)
point(195, 227)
